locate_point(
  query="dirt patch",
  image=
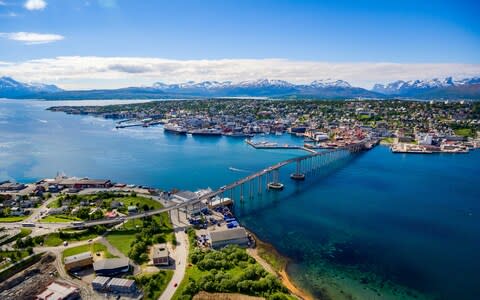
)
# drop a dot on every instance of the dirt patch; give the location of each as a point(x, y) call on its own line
point(223, 296)
point(30, 282)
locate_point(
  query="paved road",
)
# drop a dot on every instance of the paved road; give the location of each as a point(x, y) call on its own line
point(181, 254)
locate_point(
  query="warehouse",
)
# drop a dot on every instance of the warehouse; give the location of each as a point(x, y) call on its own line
point(77, 261)
point(121, 285)
point(222, 238)
point(59, 291)
point(100, 283)
point(111, 266)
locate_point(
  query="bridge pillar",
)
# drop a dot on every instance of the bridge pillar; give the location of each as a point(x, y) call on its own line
point(298, 175)
point(275, 184)
point(241, 192)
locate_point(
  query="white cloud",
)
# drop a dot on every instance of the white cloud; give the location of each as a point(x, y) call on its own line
point(31, 38)
point(2, 3)
point(86, 72)
point(35, 4)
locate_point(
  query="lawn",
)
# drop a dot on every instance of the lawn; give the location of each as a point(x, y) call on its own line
point(121, 240)
point(466, 132)
point(93, 247)
point(54, 239)
point(59, 219)
point(12, 219)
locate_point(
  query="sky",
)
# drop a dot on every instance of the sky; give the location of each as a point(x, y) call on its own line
point(82, 44)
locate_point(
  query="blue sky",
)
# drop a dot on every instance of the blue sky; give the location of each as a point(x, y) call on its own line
point(402, 33)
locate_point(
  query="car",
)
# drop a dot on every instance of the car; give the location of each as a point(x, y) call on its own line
point(175, 284)
point(65, 243)
point(89, 241)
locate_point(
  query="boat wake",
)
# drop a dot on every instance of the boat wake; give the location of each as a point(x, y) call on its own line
point(238, 170)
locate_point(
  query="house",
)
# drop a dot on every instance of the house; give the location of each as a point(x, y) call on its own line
point(57, 211)
point(16, 211)
point(6, 186)
point(59, 291)
point(160, 255)
point(116, 204)
point(76, 261)
point(222, 238)
point(111, 214)
point(111, 266)
point(132, 209)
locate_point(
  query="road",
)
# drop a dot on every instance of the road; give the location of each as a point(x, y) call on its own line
point(181, 254)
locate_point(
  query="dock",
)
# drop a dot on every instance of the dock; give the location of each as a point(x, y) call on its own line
point(267, 145)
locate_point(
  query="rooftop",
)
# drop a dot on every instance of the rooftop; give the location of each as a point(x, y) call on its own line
point(111, 263)
point(121, 282)
point(160, 250)
point(77, 257)
point(100, 280)
point(56, 291)
point(228, 234)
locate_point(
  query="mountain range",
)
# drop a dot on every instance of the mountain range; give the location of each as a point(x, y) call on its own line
point(447, 88)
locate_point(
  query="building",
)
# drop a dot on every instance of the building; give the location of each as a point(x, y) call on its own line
point(100, 283)
point(222, 238)
point(121, 285)
point(111, 266)
point(184, 196)
point(81, 183)
point(160, 255)
point(80, 260)
point(59, 291)
point(6, 186)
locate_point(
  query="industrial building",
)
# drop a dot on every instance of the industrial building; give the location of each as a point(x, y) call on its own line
point(222, 238)
point(160, 255)
point(59, 291)
point(99, 283)
point(111, 266)
point(78, 261)
point(121, 285)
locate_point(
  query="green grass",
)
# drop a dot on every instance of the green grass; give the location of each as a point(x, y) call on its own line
point(154, 284)
point(12, 219)
point(59, 219)
point(388, 140)
point(94, 248)
point(54, 204)
point(121, 240)
point(54, 239)
point(466, 132)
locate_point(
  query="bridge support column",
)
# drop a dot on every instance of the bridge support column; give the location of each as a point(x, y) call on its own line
point(298, 175)
point(275, 184)
point(241, 192)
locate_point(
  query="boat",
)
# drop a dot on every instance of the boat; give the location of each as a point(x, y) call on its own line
point(174, 128)
point(238, 134)
point(206, 132)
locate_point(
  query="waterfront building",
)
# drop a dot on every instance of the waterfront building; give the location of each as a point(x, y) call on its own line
point(225, 237)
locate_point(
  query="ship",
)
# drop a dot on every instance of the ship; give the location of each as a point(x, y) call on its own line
point(174, 128)
point(206, 132)
point(239, 134)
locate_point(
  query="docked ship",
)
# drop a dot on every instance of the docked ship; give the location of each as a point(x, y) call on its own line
point(206, 132)
point(174, 128)
point(239, 134)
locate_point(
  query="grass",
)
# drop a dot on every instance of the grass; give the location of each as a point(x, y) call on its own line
point(59, 219)
point(14, 255)
point(12, 219)
point(388, 140)
point(121, 240)
point(271, 256)
point(54, 239)
point(466, 132)
point(94, 248)
point(154, 284)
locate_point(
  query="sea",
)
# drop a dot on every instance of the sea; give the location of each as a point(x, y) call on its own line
point(373, 225)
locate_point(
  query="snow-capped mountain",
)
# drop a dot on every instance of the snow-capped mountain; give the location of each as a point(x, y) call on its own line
point(12, 88)
point(425, 87)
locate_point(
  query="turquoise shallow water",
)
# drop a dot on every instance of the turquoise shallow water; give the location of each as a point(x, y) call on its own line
point(375, 226)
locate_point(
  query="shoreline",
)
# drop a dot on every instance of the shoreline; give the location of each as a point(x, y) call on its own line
point(279, 270)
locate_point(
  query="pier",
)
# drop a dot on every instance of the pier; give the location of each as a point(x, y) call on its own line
point(267, 145)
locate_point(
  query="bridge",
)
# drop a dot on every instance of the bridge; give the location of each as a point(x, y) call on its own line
point(267, 178)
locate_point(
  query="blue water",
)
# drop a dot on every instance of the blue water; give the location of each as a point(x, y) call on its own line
point(374, 226)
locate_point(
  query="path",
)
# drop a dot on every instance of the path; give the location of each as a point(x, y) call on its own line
point(181, 254)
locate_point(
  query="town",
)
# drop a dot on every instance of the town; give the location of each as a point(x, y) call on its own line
point(408, 126)
point(51, 247)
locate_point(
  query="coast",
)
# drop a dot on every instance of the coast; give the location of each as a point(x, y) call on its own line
point(267, 256)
